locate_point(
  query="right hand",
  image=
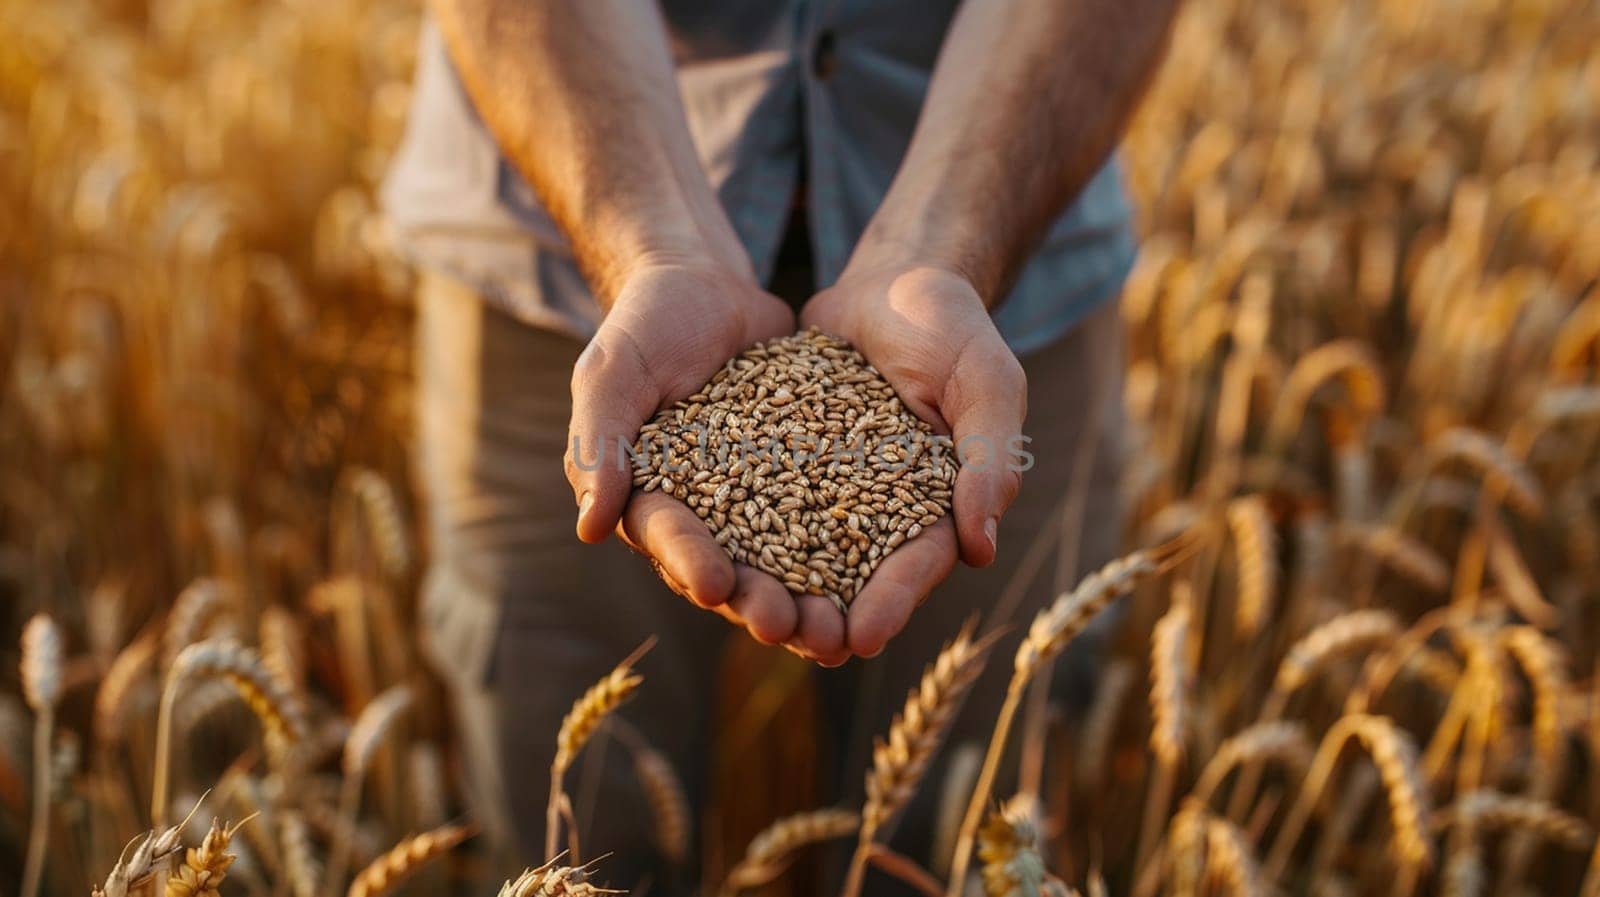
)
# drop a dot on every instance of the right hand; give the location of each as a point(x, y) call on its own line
point(673, 325)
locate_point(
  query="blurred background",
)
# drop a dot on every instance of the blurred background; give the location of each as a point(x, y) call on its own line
point(1363, 327)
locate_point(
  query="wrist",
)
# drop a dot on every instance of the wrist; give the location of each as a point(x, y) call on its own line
point(925, 251)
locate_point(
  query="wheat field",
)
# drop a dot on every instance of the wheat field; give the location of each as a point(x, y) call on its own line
point(1362, 652)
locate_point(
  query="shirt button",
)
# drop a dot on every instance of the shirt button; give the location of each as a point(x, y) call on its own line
point(823, 58)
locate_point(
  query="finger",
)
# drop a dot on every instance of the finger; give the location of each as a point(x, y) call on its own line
point(612, 395)
point(820, 634)
point(763, 605)
point(898, 586)
point(667, 531)
point(986, 400)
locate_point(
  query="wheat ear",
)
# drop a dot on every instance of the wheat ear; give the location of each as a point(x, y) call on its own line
point(147, 849)
point(1338, 637)
point(1230, 861)
point(374, 722)
point(1493, 810)
point(551, 880)
point(1256, 549)
point(200, 604)
point(669, 804)
point(1401, 552)
point(204, 867)
point(281, 716)
point(1008, 849)
point(380, 512)
point(42, 652)
point(579, 725)
point(774, 848)
point(131, 665)
point(1254, 744)
point(1049, 633)
point(1169, 674)
point(300, 864)
point(1395, 756)
point(899, 761)
point(404, 859)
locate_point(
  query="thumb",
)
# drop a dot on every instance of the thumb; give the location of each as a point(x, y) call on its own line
point(986, 400)
point(612, 395)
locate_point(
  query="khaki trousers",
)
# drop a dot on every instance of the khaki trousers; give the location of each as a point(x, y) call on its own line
point(519, 617)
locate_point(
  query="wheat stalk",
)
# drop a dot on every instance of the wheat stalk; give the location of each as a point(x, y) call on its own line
point(196, 608)
point(669, 804)
point(1255, 744)
point(774, 848)
point(403, 860)
point(579, 725)
point(1395, 756)
point(900, 760)
point(300, 865)
point(374, 722)
point(42, 652)
point(1256, 546)
point(1049, 633)
point(281, 716)
point(131, 665)
point(1169, 674)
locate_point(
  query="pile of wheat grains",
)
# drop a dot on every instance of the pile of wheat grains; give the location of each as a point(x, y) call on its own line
point(803, 462)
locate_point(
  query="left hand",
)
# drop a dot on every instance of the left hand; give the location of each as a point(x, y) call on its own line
point(928, 332)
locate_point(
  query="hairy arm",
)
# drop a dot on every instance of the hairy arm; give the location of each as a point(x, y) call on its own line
point(581, 98)
point(1027, 100)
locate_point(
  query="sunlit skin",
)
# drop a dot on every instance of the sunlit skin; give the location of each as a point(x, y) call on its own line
point(1027, 99)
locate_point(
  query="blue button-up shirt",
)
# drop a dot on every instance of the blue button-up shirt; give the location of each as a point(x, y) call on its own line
point(834, 86)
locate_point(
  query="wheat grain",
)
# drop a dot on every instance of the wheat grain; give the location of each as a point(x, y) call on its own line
point(403, 860)
point(803, 463)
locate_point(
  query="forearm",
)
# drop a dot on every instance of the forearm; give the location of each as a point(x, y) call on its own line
point(1027, 100)
point(581, 98)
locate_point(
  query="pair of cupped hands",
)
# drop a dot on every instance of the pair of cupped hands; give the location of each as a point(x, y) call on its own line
point(676, 321)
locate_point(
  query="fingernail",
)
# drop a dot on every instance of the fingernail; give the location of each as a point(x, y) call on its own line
point(585, 502)
point(991, 528)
